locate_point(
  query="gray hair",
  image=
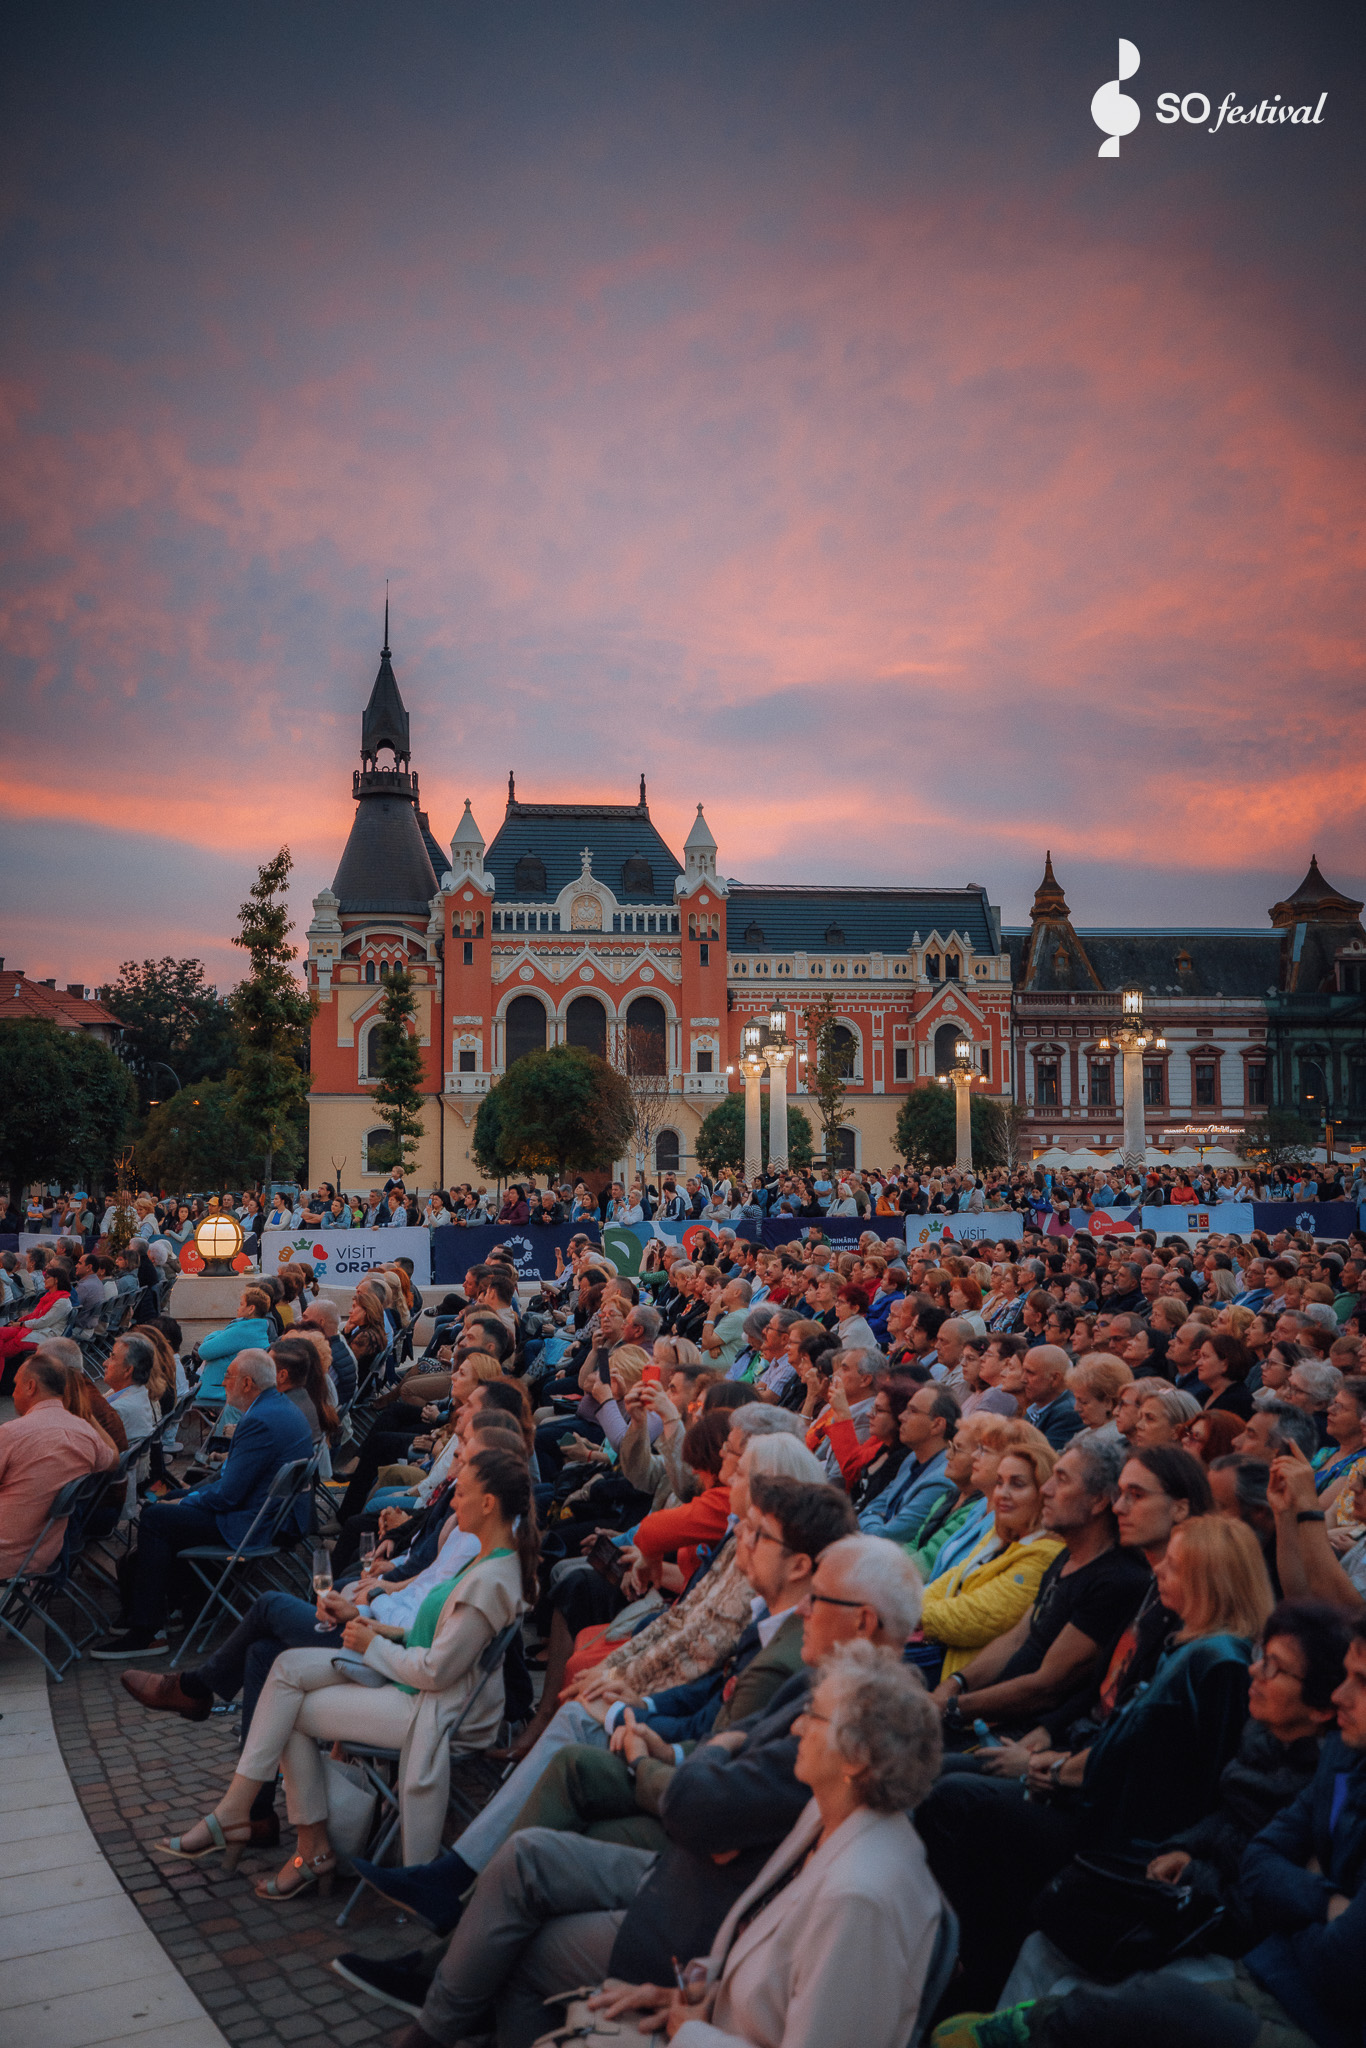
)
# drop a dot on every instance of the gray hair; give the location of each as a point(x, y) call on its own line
point(756, 1419)
point(1178, 1408)
point(883, 1720)
point(782, 1456)
point(66, 1351)
point(647, 1320)
point(742, 1288)
point(1293, 1426)
point(1319, 1380)
point(258, 1366)
point(757, 1321)
point(1102, 1462)
point(140, 1358)
point(869, 1363)
point(959, 1327)
point(885, 1577)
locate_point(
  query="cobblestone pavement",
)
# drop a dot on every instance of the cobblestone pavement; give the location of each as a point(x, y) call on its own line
point(260, 1970)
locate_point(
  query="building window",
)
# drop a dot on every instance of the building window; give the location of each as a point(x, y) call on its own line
point(465, 1062)
point(1356, 1085)
point(1154, 1085)
point(901, 1063)
point(585, 1024)
point(945, 1039)
point(381, 1152)
point(704, 1063)
point(1206, 1084)
point(984, 1060)
point(646, 1037)
point(845, 1050)
point(523, 1028)
point(844, 1158)
point(951, 967)
point(369, 970)
point(1313, 1087)
point(1102, 1085)
point(704, 956)
point(1351, 978)
point(1046, 1083)
point(369, 1052)
point(1256, 1084)
point(468, 956)
point(932, 966)
point(666, 1152)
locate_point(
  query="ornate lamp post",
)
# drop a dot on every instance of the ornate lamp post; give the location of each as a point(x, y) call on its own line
point(960, 1077)
point(752, 1067)
point(1132, 1041)
point(777, 1052)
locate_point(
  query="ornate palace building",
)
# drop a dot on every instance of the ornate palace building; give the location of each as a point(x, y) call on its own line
point(577, 924)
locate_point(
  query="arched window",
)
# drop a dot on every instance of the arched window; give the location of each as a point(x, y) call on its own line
point(524, 1028)
point(945, 1038)
point(381, 1153)
point(846, 1050)
point(932, 966)
point(646, 1037)
point(586, 1025)
point(369, 1052)
point(369, 970)
point(666, 1152)
point(1313, 1086)
point(844, 1150)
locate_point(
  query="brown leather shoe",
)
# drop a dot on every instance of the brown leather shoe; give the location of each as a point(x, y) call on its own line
point(163, 1692)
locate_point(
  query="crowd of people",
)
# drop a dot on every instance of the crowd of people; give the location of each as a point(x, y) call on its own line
point(876, 1637)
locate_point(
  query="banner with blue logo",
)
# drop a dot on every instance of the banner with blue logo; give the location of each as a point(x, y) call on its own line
point(531, 1247)
point(1325, 1219)
point(346, 1254)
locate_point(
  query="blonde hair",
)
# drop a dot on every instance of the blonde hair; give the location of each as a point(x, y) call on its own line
point(1100, 1373)
point(1038, 1454)
point(1240, 1321)
point(627, 1363)
point(162, 1378)
point(991, 1432)
point(1224, 1579)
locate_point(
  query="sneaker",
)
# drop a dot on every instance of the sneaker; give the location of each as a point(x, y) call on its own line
point(133, 1642)
point(402, 1982)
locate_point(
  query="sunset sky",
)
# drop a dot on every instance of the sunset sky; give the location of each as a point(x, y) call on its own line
point(781, 399)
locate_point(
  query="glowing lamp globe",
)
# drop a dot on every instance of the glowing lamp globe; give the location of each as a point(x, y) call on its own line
point(962, 1052)
point(218, 1240)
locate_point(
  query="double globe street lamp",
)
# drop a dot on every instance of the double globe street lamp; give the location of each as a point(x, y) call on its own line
point(1131, 1041)
point(762, 1047)
point(960, 1078)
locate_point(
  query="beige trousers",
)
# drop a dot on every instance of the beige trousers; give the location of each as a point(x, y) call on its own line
point(302, 1702)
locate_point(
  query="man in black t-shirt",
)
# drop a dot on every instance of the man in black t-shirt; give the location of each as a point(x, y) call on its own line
point(1087, 1595)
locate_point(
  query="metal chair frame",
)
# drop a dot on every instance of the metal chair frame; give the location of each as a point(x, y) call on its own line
point(240, 1565)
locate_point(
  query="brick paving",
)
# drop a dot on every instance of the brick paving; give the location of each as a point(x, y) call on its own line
point(260, 1970)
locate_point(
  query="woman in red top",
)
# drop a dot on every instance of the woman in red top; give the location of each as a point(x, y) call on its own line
point(866, 1467)
point(703, 1519)
point(18, 1339)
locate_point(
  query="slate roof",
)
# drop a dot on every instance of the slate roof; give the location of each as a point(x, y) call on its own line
point(872, 920)
point(557, 833)
point(386, 868)
point(1235, 965)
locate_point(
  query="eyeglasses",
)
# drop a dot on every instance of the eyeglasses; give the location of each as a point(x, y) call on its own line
point(812, 1598)
point(763, 1536)
point(810, 1714)
point(1273, 1668)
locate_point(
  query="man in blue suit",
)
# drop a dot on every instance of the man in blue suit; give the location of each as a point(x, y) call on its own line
point(270, 1434)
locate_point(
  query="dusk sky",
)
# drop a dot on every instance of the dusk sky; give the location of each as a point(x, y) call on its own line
point(781, 399)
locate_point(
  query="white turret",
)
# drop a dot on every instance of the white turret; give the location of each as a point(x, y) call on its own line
point(467, 846)
point(699, 855)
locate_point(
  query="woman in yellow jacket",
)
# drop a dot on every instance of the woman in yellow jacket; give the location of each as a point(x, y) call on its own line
point(987, 1591)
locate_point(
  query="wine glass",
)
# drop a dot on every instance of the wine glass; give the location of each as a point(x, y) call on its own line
point(322, 1583)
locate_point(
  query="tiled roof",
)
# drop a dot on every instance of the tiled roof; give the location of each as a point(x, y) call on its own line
point(1236, 965)
point(555, 834)
point(70, 1007)
point(386, 868)
point(871, 920)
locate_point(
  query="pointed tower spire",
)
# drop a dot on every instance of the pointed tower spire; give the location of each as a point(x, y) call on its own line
point(512, 788)
point(1049, 901)
point(385, 721)
point(642, 791)
point(384, 651)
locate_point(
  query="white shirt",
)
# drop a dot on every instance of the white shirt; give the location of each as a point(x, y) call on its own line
point(399, 1610)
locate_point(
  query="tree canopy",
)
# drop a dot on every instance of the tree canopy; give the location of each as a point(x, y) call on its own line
point(927, 1129)
point(553, 1110)
point(398, 1098)
point(1280, 1138)
point(196, 1140)
point(179, 1027)
point(828, 1072)
point(721, 1140)
point(65, 1104)
point(271, 1014)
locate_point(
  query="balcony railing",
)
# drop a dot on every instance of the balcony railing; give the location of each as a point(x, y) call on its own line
point(469, 1084)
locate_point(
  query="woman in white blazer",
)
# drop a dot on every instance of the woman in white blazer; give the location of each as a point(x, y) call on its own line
point(831, 1944)
point(425, 1676)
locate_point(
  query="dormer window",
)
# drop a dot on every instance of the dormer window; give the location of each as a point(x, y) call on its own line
point(834, 936)
point(952, 966)
point(1184, 963)
point(637, 876)
point(932, 966)
point(754, 935)
point(529, 874)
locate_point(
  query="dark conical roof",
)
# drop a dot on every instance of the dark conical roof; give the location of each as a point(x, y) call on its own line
point(1316, 901)
point(385, 723)
point(386, 867)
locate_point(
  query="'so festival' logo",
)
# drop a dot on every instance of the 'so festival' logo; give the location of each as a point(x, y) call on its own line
point(1113, 112)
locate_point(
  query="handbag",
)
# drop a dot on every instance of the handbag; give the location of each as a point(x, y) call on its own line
point(1111, 1919)
point(589, 2028)
point(351, 1804)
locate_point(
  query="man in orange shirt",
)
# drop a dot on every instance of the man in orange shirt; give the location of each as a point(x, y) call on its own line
point(43, 1448)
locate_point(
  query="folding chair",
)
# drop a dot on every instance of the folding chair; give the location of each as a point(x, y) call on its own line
point(229, 1572)
point(27, 1595)
point(943, 1961)
point(388, 1816)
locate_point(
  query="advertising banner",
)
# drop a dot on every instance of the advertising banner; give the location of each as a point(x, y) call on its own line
point(1192, 1220)
point(531, 1249)
point(985, 1229)
point(1325, 1219)
point(346, 1254)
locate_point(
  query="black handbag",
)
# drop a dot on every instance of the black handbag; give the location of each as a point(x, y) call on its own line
point(1111, 1919)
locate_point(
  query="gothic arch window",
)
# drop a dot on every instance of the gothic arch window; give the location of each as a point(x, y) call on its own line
point(846, 1050)
point(523, 1028)
point(381, 1153)
point(647, 1036)
point(369, 1052)
point(369, 970)
point(586, 1025)
point(666, 1152)
point(945, 1038)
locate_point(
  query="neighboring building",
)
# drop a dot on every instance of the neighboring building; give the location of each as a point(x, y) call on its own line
point(1317, 1012)
point(70, 1008)
point(576, 924)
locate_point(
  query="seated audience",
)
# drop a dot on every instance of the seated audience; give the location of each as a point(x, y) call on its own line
point(42, 1449)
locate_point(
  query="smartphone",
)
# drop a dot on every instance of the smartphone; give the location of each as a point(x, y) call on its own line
point(604, 1369)
point(652, 1375)
point(606, 1557)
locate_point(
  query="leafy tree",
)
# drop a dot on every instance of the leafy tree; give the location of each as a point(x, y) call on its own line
point(65, 1103)
point(927, 1129)
point(556, 1109)
point(827, 1073)
point(1280, 1138)
point(647, 1077)
point(398, 1098)
point(271, 1015)
point(195, 1139)
point(721, 1140)
point(176, 1020)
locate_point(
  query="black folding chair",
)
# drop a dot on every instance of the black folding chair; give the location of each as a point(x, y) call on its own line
point(28, 1593)
point(231, 1573)
point(375, 1761)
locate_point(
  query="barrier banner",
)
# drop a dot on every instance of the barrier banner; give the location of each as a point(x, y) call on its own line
point(531, 1248)
point(1197, 1219)
point(1325, 1219)
point(988, 1228)
point(346, 1254)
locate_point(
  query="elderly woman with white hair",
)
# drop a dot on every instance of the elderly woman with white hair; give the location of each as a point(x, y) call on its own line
point(831, 1945)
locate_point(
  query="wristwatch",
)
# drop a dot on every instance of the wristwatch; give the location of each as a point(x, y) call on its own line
point(1311, 1515)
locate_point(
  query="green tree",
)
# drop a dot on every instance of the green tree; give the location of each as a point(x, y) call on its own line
point(1280, 1138)
point(398, 1098)
point(65, 1104)
point(553, 1110)
point(271, 1014)
point(721, 1140)
point(195, 1139)
point(828, 1072)
point(179, 1029)
point(927, 1129)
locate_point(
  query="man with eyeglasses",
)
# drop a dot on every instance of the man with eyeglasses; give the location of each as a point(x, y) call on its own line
point(553, 1909)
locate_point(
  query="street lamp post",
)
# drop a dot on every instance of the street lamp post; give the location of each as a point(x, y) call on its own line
point(960, 1077)
point(752, 1067)
point(1132, 1040)
point(777, 1052)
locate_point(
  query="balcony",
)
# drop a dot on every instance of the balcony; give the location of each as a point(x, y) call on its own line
point(468, 1084)
point(705, 1084)
point(1092, 1001)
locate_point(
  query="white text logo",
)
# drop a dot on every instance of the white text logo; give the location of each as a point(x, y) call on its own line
point(1113, 112)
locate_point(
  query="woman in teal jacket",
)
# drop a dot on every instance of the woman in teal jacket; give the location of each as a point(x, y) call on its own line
point(248, 1331)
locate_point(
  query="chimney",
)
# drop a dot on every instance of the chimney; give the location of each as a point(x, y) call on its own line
point(76, 988)
point(51, 982)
